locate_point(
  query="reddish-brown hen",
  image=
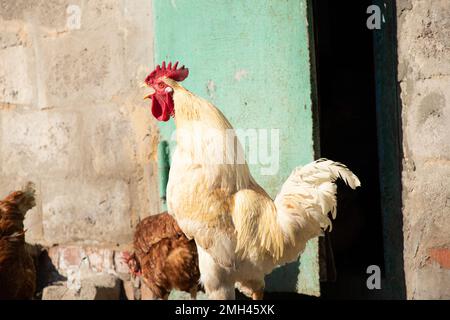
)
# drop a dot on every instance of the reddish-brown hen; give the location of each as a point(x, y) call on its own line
point(164, 257)
point(17, 271)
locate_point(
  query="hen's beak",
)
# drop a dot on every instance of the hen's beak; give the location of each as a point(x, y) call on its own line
point(148, 96)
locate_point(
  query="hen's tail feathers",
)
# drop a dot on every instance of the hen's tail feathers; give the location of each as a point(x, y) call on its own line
point(309, 194)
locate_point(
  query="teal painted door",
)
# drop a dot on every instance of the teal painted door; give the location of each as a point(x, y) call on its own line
point(252, 60)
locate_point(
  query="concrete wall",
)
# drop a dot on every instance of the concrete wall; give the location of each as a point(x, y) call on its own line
point(424, 76)
point(72, 117)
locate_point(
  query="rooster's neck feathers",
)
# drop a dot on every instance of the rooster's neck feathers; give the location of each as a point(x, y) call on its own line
point(190, 109)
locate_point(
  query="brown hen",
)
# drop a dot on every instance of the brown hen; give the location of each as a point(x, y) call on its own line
point(163, 257)
point(17, 270)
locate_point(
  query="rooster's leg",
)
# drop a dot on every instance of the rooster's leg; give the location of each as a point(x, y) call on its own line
point(252, 288)
point(217, 281)
point(258, 295)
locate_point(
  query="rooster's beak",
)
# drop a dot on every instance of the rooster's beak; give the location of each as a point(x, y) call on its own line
point(148, 96)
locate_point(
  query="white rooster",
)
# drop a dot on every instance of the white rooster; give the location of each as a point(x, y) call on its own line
point(240, 232)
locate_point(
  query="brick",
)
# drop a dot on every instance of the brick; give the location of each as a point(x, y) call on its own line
point(107, 287)
point(70, 257)
point(139, 61)
point(47, 13)
point(441, 256)
point(13, 34)
point(111, 141)
point(100, 260)
point(100, 287)
point(82, 212)
point(428, 116)
point(130, 290)
point(55, 292)
point(423, 42)
point(80, 72)
point(120, 265)
point(15, 82)
point(430, 283)
point(39, 142)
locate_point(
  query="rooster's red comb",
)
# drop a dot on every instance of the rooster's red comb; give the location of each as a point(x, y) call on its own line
point(169, 71)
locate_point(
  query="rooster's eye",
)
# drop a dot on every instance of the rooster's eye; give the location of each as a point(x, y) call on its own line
point(161, 85)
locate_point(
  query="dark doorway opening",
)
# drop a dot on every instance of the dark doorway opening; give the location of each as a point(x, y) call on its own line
point(348, 134)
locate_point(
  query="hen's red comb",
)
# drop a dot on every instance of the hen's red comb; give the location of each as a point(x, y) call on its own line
point(170, 71)
point(126, 256)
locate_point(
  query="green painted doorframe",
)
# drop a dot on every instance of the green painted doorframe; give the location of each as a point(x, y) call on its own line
point(389, 150)
point(252, 60)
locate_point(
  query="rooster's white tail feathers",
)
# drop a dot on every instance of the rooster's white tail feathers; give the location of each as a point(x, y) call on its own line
point(309, 194)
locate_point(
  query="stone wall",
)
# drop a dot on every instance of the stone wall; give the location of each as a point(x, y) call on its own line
point(73, 121)
point(424, 76)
